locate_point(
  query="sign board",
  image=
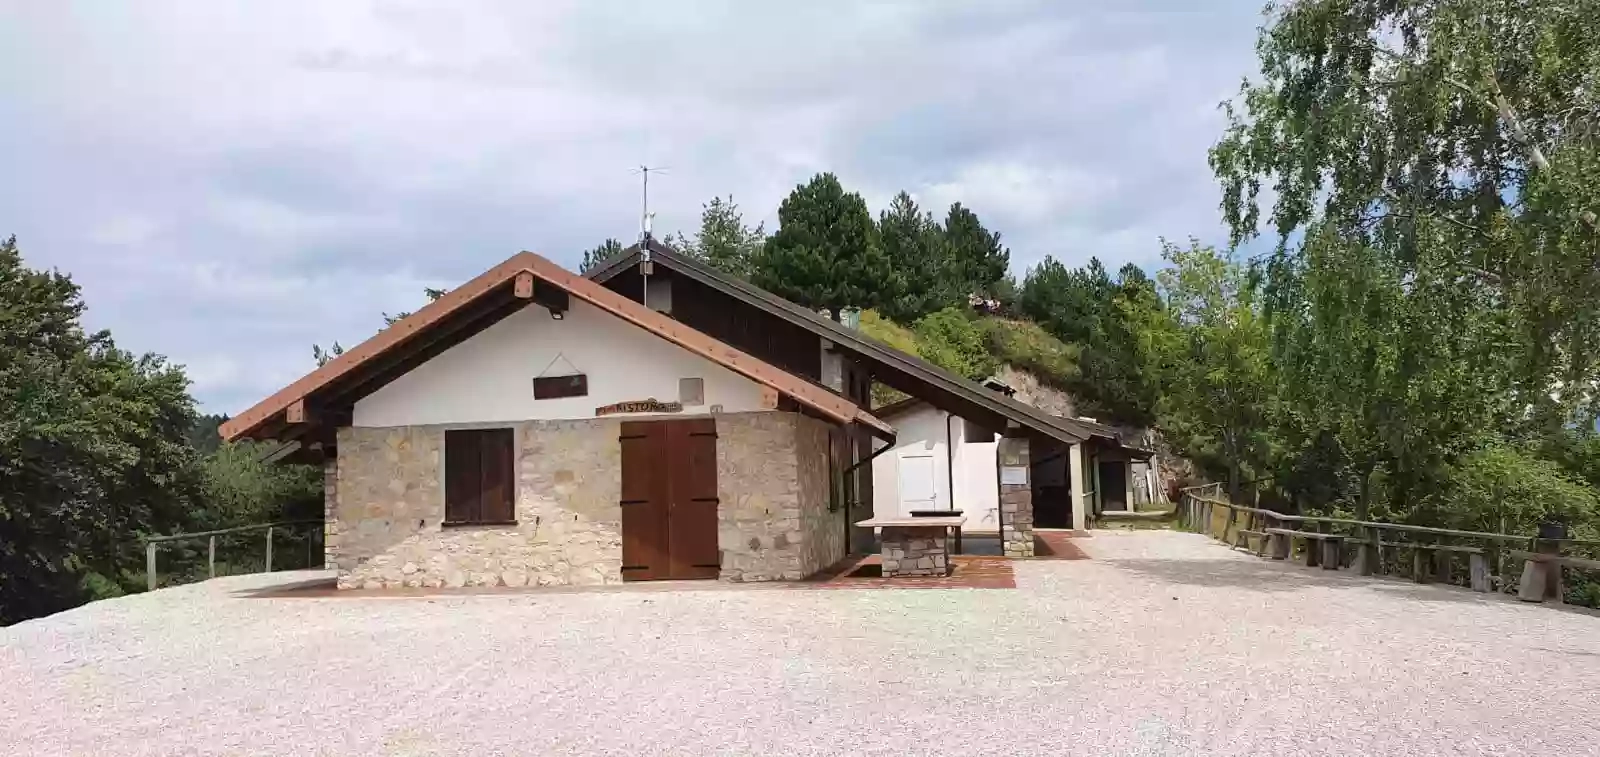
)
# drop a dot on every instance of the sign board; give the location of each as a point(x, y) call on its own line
point(640, 406)
point(1013, 475)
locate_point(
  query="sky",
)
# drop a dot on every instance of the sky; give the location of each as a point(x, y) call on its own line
point(231, 182)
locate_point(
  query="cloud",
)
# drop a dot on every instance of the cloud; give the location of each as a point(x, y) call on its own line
point(233, 182)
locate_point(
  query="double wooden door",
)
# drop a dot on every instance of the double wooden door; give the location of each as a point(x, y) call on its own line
point(669, 499)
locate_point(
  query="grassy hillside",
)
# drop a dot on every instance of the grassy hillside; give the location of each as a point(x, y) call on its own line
point(975, 346)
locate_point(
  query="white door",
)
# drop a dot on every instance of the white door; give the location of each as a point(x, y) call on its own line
point(917, 491)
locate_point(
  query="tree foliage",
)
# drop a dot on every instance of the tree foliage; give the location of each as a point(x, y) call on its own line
point(1433, 294)
point(93, 448)
point(1462, 136)
point(826, 253)
point(99, 447)
point(915, 246)
point(1086, 307)
point(724, 241)
point(600, 254)
point(977, 261)
point(1219, 379)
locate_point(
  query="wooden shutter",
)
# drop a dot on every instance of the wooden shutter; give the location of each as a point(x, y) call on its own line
point(644, 501)
point(497, 491)
point(463, 476)
point(693, 518)
point(480, 476)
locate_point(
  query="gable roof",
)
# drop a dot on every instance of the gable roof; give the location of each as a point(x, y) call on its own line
point(913, 375)
point(523, 279)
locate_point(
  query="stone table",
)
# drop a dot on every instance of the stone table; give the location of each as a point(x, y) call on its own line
point(915, 546)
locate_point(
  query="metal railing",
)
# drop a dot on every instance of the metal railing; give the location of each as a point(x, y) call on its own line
point(313, 545)
point(1493, 557)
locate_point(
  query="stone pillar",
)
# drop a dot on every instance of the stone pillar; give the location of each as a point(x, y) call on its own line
point(1077, 481)
point(330, 520)
point(1016, 497)
point(914, 551)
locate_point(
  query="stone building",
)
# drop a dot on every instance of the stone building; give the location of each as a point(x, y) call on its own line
point(534, 428)
point(654, 420)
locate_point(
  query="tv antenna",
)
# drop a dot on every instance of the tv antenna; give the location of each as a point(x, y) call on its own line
point(645, 216)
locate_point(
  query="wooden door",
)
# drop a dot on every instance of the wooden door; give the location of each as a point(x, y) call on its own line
point(669, 499)
point(644, 501)
point(1113, 485)
point(692, 508)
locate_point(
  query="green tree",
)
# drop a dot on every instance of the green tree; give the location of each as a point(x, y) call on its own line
point(241, 489)
point(1374, 119)
point(605, 251)
point(916, 248)
point(1395, 360)
point(93, 449)
point(1220, 381)
point(1101, 315)
point(826, 253)
point(724, 241)
point(977, 260)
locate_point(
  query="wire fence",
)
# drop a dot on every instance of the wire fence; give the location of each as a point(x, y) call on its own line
point(177, 559)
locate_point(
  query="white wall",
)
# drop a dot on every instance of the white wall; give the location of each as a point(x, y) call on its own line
point(921, 431)
point(489, 377)
point(977, 480)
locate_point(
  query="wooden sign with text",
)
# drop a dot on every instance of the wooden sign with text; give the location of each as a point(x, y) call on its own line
point(640, 406)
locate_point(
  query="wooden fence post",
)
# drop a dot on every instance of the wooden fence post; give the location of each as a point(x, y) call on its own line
point(1366, 550)
point(150, 565)
point(269, 550)
point(1479, 567)
point(211, 555)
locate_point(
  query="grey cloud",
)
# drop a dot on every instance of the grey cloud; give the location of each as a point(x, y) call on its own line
point(233, 182)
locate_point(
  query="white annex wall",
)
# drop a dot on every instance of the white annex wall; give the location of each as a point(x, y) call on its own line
point(489, 377)
point(978, 479)
point(921, 432)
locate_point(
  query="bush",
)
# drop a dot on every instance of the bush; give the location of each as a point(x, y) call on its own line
point(1026, 346)
point(953, 340)
point(1507, 485)
point(880, 329)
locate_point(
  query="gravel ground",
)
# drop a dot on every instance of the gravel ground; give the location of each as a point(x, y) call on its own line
point(1163, 643)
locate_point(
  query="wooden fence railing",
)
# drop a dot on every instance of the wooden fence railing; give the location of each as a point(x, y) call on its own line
point(313, 539)
point(1372, 547)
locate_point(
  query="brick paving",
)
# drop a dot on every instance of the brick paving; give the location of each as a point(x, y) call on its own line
point(967, 572)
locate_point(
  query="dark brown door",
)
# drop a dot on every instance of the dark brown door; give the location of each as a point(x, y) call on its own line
point(1113, 486)
point(669, 499)
point(644, 502)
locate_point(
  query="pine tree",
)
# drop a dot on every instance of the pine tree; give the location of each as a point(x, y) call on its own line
point(826, 253)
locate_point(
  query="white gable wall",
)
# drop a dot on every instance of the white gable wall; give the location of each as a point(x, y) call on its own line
point(489, 377)
point(921, 432)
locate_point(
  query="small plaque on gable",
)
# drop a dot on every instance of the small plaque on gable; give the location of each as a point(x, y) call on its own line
point(1013, 475)
point(555, 387)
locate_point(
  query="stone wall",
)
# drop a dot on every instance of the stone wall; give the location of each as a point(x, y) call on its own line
point(386, 503)
point(391, 503)
point(772, 479)
point(822, 529)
